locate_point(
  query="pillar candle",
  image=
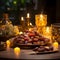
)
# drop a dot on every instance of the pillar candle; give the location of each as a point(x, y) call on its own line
point(55, 45)
point(17, 51)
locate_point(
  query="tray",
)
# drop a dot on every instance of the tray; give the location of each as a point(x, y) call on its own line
point(45, 52)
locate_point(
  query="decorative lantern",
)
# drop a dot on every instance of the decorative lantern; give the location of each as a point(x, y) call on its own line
point(40, 21)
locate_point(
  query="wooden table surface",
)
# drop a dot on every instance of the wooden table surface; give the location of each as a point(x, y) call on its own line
point(26, 55)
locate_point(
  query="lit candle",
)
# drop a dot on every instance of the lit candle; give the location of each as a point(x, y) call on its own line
point(41, 20)
point(22, 19)
point(17, 51)
point(55, 45)
point(47, 32)
point(22, 22)
point(28, 20)
point(8, 43)
point(28, 15)
point(41, 16)
point(48, 29)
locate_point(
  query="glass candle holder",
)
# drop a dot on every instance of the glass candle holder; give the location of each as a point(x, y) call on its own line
point(40, 21)
point(22, 24)
point(47, 32)
point(56, 32)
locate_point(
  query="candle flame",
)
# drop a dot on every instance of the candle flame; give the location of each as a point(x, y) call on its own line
point(41, 15)
point(22, 18)
point(28, 15)
point(31, 24)
point(17, 51)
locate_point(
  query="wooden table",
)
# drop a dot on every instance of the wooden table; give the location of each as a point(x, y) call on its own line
point(25, 55)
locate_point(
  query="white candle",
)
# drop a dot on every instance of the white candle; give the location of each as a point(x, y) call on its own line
point(28, 15)
point(8, 43)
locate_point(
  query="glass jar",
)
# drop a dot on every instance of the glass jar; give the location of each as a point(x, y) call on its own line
point(56, 32)
point(41, 22)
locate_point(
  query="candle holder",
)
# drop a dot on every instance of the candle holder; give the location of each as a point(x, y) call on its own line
point(22, 24)
point(28, 21)
point(56, 32)
point(47, 32)
point(40, 21)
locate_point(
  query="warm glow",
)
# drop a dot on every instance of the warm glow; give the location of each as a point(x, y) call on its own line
point(47, 33)
point(55, 45)
point(8, 43)
point(31, 24)
point(20, 32)
point(47, 29)
point(22, 19)
point(28, 15)
point(17, 51)
point(30, 29)
point(41, 20)
point(41, 16)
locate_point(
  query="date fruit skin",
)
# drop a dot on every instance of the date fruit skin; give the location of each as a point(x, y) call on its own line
point(43, 48)
point(31, 37)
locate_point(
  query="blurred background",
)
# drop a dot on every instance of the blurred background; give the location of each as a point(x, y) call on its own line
point(18, 8)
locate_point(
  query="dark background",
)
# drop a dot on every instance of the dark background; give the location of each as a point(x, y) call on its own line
point(18, 8)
